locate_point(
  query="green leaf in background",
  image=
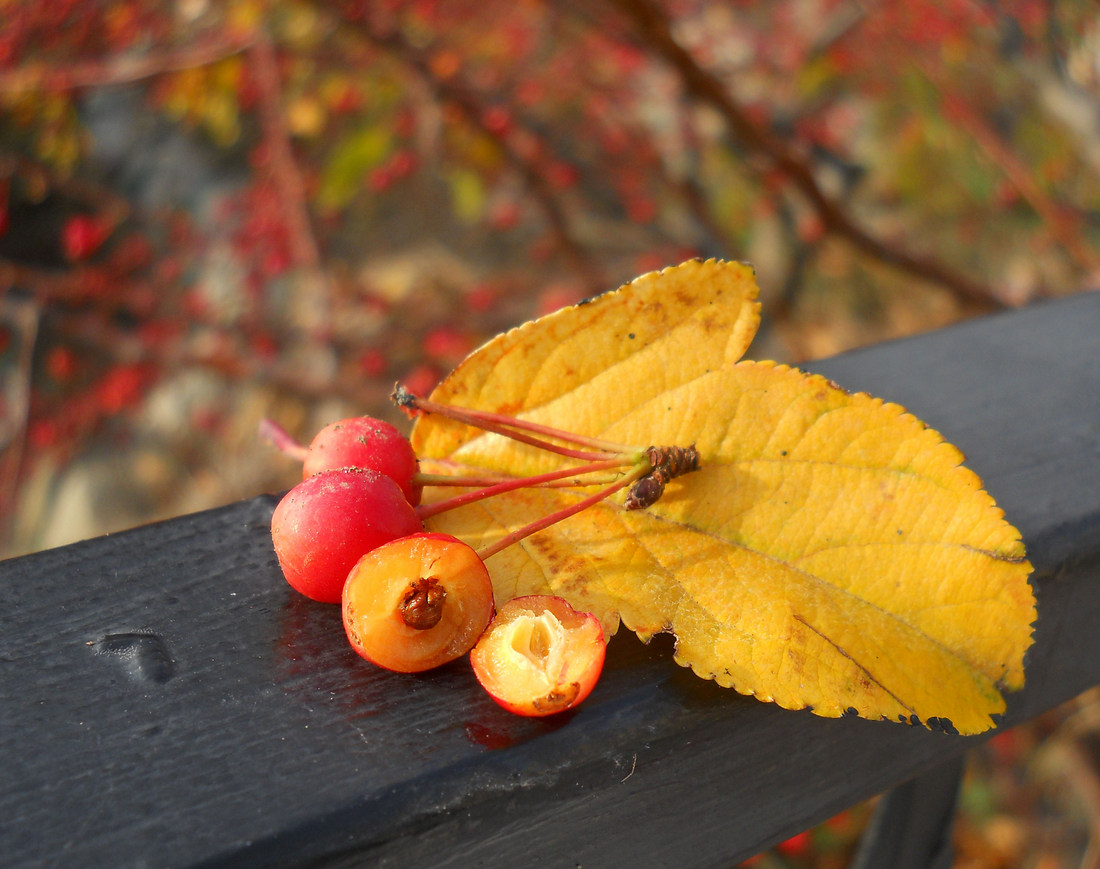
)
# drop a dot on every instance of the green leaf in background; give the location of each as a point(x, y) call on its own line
point(467, 195)
point(351, 160)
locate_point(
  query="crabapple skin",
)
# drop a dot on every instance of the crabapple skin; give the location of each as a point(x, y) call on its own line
point(365, 442)
point(323, 526)
point(539, 656)
point(383, 631)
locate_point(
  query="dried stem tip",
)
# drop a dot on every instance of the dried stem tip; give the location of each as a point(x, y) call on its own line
point(673, 461)
point(667, 463)
point(422, 606)
point(403, 399)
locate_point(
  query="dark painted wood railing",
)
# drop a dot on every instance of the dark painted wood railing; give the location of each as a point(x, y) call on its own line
point(165, 699)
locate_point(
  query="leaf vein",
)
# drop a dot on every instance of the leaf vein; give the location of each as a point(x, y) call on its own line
point(820, 581)
point(862, 667)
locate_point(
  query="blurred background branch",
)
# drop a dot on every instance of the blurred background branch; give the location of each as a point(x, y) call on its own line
point(779, 156)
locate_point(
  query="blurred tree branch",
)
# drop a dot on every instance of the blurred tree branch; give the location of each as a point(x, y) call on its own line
point(1063, 223)
point(287, 176)
point(653, 27)
point(453, 91)
point(118, 68)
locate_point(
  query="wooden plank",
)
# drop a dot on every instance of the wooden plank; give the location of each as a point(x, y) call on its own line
point(166, 700)
point(912, 824)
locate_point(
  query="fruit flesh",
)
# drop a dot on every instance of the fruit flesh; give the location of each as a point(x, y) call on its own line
point(539, 656)
point(417, 603)
point(535, 647)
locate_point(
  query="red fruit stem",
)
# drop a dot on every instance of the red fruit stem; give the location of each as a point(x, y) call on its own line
point(512, 427)
point(425, 511)
point(640, 470)
point(424, 479)
point(276, 435)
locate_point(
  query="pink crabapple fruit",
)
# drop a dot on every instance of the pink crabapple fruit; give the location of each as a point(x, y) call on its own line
point(323, 526)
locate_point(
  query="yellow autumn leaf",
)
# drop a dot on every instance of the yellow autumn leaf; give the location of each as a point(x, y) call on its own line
point(831, 551)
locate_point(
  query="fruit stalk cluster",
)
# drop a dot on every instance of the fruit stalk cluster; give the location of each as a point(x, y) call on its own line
point(352, 532)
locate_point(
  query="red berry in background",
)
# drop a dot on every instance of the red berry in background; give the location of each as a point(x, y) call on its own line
point(422, 379)
point(640, 209)
point(497, 120)
point(539, 656)
point(562, 175)
point(325, 524)
point(81, 236)
point(417, 603)
point(797, 845)
point(121, 387)
point(504, 215)
point(447, 344)
point(482, 298)
point(132, 252)
point(380, 179)
point(373, 362)
point(365, 442)
point(5, 218)
point(403, 164)
point(61, 363)
point(558, 295)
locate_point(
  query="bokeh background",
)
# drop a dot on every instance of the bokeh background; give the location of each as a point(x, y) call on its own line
point(216, 212)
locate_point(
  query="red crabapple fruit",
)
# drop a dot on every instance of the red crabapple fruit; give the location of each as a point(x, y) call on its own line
point(323, 526)
point(365, 442)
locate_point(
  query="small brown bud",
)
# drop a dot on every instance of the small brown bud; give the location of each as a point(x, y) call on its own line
point(644, 492)
point(667, 463)
point(670, 462)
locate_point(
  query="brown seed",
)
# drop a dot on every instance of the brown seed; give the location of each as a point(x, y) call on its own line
point(559, 698)
point(422, 606)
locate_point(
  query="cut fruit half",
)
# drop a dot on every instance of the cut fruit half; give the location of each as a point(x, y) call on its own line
point(539, 656)
point(417, 602)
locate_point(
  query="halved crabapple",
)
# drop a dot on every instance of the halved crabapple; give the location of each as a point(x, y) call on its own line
point(417, 603)
point(539, 656)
